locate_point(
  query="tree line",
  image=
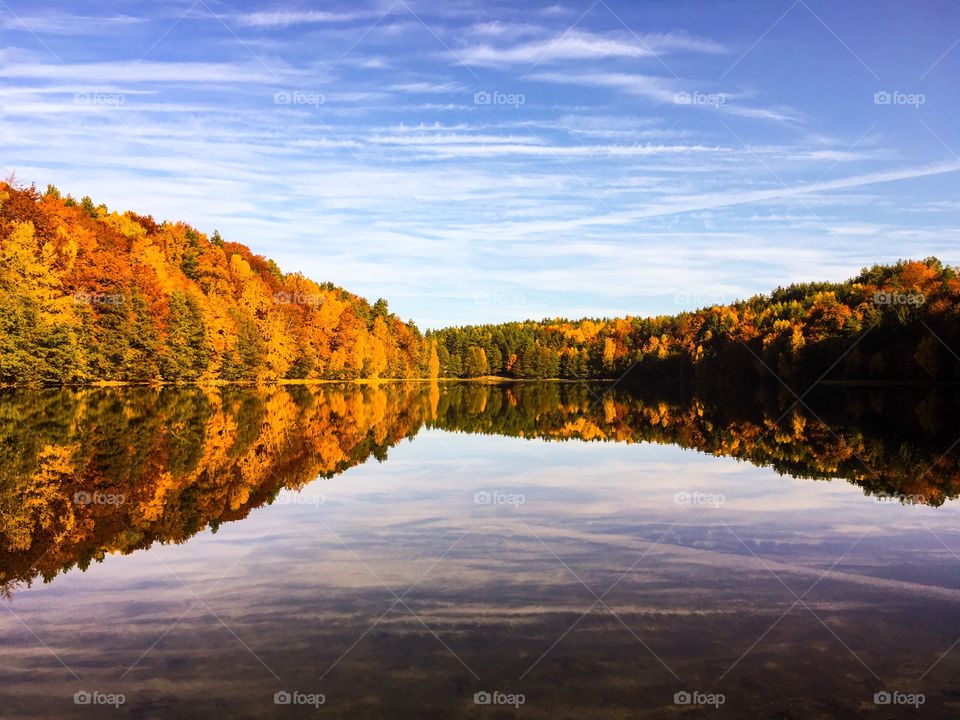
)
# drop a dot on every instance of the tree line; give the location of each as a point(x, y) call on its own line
point(891, 322)
point(89, 295)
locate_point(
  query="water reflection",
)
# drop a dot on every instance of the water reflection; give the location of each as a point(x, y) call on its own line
point(597, 579)
point(94, 471)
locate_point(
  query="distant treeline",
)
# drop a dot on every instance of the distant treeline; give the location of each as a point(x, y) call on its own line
point(891, 322)
point(88, 295)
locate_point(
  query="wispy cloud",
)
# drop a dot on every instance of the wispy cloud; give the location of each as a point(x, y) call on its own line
point(731, 198)
point(145, 71)
point(60, 23)
point(279, 19)
point(658, 89)
point(400, 183)
point(583, 45)
point(423, 87)
point(505, 30)
point(782, 115)
point(676, 91)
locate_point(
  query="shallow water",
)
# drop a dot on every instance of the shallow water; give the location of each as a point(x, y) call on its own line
point(239, 543)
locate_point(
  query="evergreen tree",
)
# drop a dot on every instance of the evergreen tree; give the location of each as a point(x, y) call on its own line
point(187, 351)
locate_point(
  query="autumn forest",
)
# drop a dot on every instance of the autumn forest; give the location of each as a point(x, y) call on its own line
point(92, 295)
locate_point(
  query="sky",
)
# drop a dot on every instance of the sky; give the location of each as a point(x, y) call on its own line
point(489, 161)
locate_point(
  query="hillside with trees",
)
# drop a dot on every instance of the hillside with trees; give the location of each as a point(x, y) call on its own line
point(91, 295)
point(88, 294)
point(897, 322)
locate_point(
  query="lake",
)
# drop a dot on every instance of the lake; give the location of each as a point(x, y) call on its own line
point(539, 550)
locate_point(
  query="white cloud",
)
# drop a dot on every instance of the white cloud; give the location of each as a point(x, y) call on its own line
point(729, 198)
point(285, 18)
point(782, 116)
point(454, 139)
point(66, 23)
point(726, 198)
point(583, 45)
point(505, 30)
point(658, 89)
point(466, 147)
point(423, 87)
point(144, 71)
point(600, 184)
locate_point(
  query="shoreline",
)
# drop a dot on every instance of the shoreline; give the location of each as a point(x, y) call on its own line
point(483, 380)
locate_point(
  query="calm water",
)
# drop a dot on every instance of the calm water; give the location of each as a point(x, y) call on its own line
point(570, 551)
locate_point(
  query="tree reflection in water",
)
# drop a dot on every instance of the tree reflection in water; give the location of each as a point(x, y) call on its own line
point(88, 472)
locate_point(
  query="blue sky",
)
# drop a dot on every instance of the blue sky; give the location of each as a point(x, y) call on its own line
point(476, 162)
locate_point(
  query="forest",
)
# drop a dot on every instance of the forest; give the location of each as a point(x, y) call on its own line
point(89, 295)
point(890, 323)
point(92, 295)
